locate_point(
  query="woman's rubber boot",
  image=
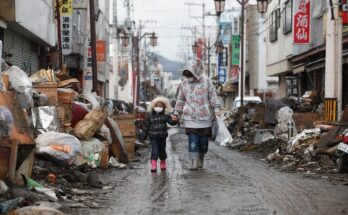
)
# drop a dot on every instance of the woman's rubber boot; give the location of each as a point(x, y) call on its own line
point(163, 165)
point(201, 161)
point(194, 165)
point(153, 166)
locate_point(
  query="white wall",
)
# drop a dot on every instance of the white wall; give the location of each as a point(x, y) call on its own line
point(277, 51)
point(41, 24)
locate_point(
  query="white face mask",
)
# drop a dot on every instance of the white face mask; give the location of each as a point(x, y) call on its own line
point(191, 79)
point(158, 109)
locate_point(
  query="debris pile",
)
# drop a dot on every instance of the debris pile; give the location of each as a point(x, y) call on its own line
point(56, 139)
point(293, 140)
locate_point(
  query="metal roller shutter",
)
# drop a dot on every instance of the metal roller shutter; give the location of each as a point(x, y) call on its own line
point(24, 54)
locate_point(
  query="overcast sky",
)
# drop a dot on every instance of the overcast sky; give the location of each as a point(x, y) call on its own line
point(167, 17)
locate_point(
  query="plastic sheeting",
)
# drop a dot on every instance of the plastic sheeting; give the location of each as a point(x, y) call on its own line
point(62, 146)
point(223, 136)
point(21, 83)
point(284, 116)
point(6, 122)
point(45, 119)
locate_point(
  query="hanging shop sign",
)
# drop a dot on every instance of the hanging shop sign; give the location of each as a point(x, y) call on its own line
point(235, 26)
point(101, 51)
point(80, 4)
point(235, 49)
point(344, 11)
point(222, 75)
point(66, 11)
point(302, 22)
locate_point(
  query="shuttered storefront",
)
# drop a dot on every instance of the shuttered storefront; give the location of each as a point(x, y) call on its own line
point(24, 52)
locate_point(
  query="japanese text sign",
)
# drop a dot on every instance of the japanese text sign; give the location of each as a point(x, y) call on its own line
point(235, 49)
point(66, 11)
point(101, 51)
point(302, 21)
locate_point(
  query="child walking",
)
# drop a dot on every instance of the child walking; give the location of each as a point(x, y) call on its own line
point(157, 130)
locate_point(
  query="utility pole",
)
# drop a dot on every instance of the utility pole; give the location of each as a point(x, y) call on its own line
point(60, 54)
point(202, 23)
point(243, 3)
point(93, 48)
point(333, 64)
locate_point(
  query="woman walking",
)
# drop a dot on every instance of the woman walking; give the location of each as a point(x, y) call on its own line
point(197, 104)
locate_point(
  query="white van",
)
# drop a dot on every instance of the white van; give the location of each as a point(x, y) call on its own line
point(246, 100)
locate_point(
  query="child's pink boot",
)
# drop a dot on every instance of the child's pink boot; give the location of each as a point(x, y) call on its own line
point(163, 165)
point(153, 166)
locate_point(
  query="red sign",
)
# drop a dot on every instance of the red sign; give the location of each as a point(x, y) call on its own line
point(101, 51)
point(302, 21)
point(200, 48)
point(234, 71)
point(344, 11)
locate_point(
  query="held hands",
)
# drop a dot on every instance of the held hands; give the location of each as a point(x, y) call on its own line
point(175, 118)
point(219, 114)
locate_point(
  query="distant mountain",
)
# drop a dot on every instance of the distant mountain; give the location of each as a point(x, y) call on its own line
point(171, 66)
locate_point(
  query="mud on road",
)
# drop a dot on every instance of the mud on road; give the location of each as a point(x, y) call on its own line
point(229, 183)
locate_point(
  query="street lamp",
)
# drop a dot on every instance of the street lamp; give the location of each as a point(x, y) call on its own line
point(194, 48)
point(153, 39)
point(219, 6)
point(219, 47)
point(262, 6)
point(125, 40)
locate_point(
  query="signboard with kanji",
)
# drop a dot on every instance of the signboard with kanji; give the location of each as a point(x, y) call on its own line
point(66, 11)
point(235, 49)
point(302, 21)
point(344, 11)
point(101, 51)
point(222, 75)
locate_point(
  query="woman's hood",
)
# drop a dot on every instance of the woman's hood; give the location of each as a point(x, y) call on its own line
point(196, 68)
point(168, 108)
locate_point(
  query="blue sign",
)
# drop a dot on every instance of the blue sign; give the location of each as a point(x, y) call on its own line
point(222, 75)
point(88, 77)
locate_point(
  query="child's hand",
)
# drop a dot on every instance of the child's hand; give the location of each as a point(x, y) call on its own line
point(175, 118)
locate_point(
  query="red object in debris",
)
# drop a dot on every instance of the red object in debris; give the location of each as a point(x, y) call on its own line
point(78, 113)
point(345, 138)
point(51, 178)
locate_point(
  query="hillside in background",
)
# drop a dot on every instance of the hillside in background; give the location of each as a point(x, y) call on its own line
point(171, 66)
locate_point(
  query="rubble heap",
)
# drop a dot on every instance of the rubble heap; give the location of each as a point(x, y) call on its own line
point(54, 140)
point(264, 130)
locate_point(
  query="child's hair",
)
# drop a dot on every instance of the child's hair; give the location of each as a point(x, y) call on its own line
point(167, 107)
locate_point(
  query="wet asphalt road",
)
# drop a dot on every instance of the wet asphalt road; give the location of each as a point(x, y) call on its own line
point(230, 183)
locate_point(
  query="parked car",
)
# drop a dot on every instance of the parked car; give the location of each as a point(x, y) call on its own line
point(246, 100)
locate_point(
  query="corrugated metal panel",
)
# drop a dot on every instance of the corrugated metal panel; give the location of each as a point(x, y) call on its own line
point(24, 54)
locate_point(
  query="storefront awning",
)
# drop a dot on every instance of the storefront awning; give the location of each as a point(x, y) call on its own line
point(230, 86)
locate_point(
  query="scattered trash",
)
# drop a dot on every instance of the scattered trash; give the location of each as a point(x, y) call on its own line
point(62, 146)
point(23, 86)
point(45, 119)
point(114, 163)
point(90, 153)
point(6, 122)
point(91, 124)
point(223, 136)
point(37, 210)
point(3, 187)
point(48, 192)
point(51, 178)
point(30, 182)
point(10, 204)
point(284, 118)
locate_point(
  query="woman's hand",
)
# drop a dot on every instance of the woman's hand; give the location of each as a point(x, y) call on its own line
point(219, 114)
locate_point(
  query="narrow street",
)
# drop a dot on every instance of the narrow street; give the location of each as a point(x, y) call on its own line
point(230, 183)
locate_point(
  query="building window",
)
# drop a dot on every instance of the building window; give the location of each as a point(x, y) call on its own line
point(275, 24)
point(287, 18)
